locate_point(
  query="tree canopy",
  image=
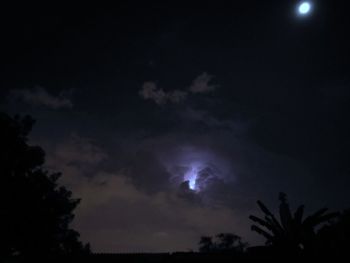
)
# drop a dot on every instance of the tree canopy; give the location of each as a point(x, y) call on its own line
point(223, 242)
point(35, 210)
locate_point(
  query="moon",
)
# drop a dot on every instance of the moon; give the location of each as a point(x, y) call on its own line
point(304, 8)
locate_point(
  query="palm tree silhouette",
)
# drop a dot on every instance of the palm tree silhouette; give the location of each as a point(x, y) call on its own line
point(292, 232)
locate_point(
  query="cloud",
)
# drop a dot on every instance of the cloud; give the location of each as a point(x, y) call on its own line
point(134, 198)
point(150, 91)
point(133, 190)
point(207, 119)
point(76, 157)
point(115, 216)
point(201, 84)
point(39, 96)
point(80, 150)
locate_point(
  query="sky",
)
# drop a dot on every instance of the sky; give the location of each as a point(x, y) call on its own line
point(171, 120)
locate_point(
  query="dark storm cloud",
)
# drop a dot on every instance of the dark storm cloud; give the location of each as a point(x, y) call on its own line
point(312, 131)
point(122, 209)
point(147, 193)
point(39, 96)
point(75, 155)
point(147, 172)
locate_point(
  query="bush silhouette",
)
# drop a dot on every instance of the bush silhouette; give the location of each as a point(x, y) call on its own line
point(35, 210)
point(224, 242)
point(334, 238)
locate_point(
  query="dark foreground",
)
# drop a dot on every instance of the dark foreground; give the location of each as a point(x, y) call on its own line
point(255, 254)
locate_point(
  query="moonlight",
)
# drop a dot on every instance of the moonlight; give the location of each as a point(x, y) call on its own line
point(304, 8)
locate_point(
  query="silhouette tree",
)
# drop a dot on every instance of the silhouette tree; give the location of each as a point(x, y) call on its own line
point(224, 242)
point(206, 244)
point(293, 233)
point(35, 211)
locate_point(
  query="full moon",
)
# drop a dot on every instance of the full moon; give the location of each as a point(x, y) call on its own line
point(304, 8)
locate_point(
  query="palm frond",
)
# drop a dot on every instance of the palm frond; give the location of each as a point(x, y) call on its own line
point(298, 215)
point(264, 208)
point(276, 227)
point(314, 217)
point(261, 222)
point(321, 219)
point(262, 232)
point(285, 214)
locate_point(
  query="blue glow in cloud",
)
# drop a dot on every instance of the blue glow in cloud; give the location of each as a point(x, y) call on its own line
point(191, 176)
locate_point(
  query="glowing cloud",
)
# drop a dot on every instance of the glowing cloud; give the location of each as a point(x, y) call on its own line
point(191, 177)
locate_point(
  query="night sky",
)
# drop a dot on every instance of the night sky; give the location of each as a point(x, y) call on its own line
point(170, 120)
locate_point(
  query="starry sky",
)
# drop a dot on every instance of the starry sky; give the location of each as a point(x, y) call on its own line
point(170, 120)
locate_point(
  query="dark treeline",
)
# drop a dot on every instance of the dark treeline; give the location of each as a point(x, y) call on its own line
point(36, 214)
point(35, 210)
